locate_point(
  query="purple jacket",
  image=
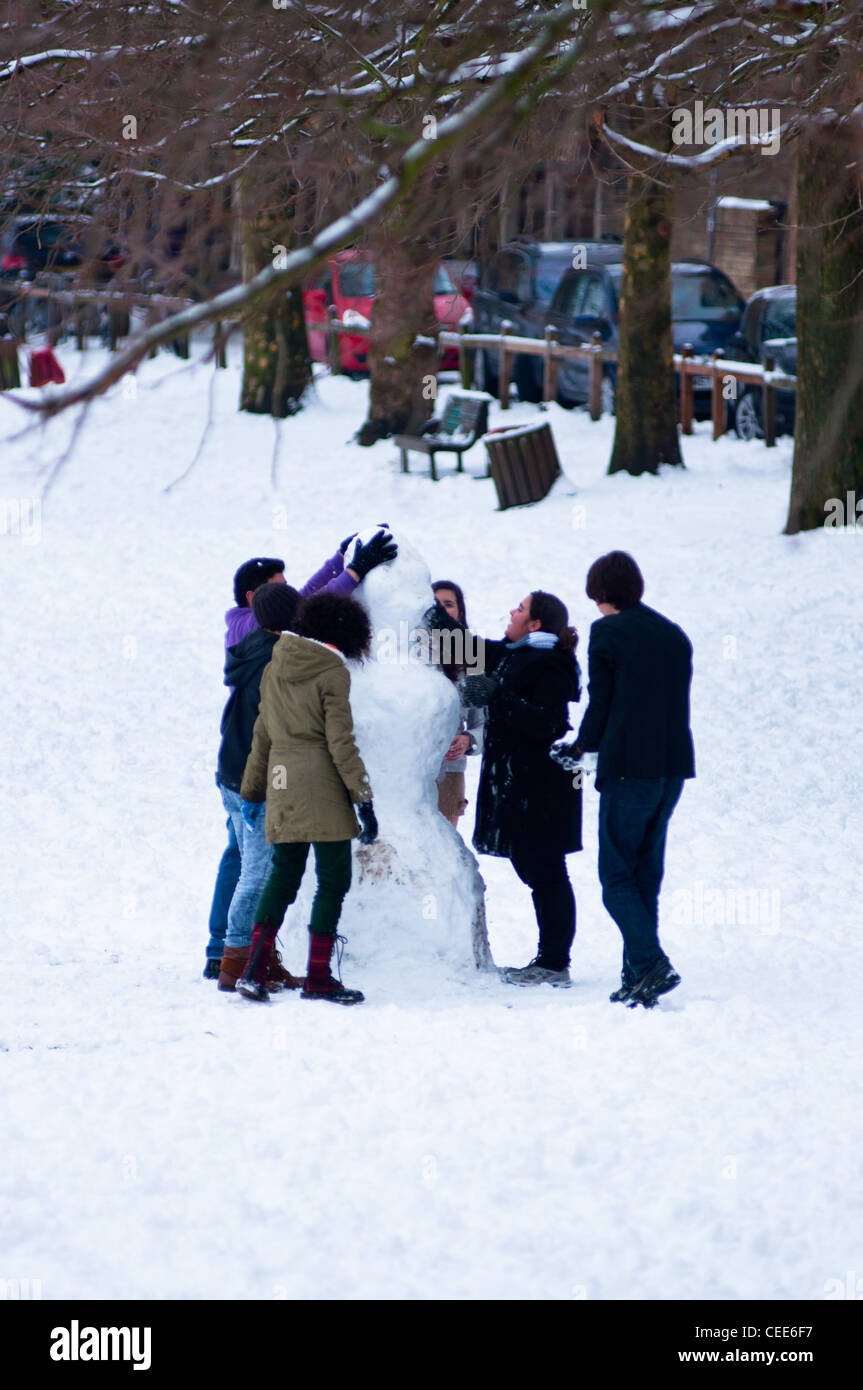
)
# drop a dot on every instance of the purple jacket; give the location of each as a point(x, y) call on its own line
point(330, 579)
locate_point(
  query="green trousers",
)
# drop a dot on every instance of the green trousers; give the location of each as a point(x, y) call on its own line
point(333, 868)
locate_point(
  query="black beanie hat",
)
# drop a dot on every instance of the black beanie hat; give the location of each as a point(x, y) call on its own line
point(252, 574)
point(275, 606)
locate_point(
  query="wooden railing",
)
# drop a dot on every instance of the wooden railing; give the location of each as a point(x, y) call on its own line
point(73, 304)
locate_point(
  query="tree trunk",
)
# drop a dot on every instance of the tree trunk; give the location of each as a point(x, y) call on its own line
point(276, 362)
point(645, 432)
point(828, 430)
point(403, 347)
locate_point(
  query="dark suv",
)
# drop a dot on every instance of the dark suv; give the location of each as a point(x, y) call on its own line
point(706, 312)
point(518, 285)
point(769, 329)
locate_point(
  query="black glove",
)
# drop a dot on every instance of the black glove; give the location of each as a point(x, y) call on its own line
point(369, 822)
point(437, 616)
point(476, 691)
point(378, 551)
point(347, 540)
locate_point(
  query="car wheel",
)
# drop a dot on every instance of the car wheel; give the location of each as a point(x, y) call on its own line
point(525, 379)
point(484, 376)
point(747, 418)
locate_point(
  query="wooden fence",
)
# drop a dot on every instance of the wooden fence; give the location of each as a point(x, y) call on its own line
point(73, 306)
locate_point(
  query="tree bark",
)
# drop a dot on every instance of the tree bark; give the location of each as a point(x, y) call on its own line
point(403, 347)
point(645, 432)
point(276, 362)
point(828, 430)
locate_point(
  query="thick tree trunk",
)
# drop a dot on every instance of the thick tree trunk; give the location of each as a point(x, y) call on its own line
point(403, 347)
point(828, 430)
point(276, 362)
point(646, 427)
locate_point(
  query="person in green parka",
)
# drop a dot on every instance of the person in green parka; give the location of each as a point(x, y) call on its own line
point(305, 765)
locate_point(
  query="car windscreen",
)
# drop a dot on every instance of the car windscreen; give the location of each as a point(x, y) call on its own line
point(780, 318)
point(357, 279)
point(549, 270)
point(702, 297)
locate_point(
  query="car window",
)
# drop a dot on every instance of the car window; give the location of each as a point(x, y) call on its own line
point(702, 296)
point(357, 279)
point(548, 276)
point(591, 302)
point(567, 293)
point(780, 319)
point(442, 282)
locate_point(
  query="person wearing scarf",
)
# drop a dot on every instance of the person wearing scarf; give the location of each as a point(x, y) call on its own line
point(529, 808)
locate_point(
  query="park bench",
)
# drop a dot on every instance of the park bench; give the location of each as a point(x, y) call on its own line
point(463, 422)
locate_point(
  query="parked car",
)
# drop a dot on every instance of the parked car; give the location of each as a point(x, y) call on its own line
point(518, 286)
point(464, 275)
point(348, 283)
point(769, 329)
point(31, 244)
point(706, 312)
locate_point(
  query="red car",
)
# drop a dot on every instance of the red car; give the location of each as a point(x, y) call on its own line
point(348, 283)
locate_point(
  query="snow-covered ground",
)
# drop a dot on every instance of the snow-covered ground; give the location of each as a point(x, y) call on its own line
point(453, 1137)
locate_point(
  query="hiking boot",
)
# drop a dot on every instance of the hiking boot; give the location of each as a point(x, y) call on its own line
point(659, 979)
point(536, 974)
point(320, 983)
point(233, 965)
point(278, 977)
point(621, 995)
point(252, 989)
point(211, 969)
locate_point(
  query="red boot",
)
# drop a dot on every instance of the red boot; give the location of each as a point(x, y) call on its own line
point(253, 984)
point(320, 983)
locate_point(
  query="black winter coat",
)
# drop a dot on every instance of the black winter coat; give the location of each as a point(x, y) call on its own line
point(244, 666)
point(525, 801)
point(637, 719)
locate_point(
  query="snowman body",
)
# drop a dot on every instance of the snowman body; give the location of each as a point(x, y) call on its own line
point(417, 896)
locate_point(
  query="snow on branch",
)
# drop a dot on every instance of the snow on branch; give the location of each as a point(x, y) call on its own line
point(502, 96)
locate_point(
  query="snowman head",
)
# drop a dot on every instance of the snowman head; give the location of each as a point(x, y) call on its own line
point(397, 592)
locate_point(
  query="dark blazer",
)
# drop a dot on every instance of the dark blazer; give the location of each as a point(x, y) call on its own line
point(525, 801)
point(637, 718)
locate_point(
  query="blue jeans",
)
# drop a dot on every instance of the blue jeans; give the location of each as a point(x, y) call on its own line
point(256, 858)
point(226, 881)
point(633, 822)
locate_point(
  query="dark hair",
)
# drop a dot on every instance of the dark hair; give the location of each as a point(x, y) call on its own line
point(459, 596)
point(616, 579)
point(451, 669)
point(341, 621)
point(553, 617)
point(252, 575)
point(275, 606)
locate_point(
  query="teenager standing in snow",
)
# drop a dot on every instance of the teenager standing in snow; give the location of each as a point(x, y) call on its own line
point(237, 723)
point(637, 720)
point(468, 741)
point(528, 809)
point(304, 761)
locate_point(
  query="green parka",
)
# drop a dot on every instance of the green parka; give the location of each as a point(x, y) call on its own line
point(304, 760)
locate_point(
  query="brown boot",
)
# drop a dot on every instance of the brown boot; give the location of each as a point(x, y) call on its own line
point(280, 978)
point(232, 966)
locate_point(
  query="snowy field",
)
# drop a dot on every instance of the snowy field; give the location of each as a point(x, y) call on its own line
point(454, 1137)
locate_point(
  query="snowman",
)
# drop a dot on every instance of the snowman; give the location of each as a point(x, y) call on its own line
point(417, 899)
